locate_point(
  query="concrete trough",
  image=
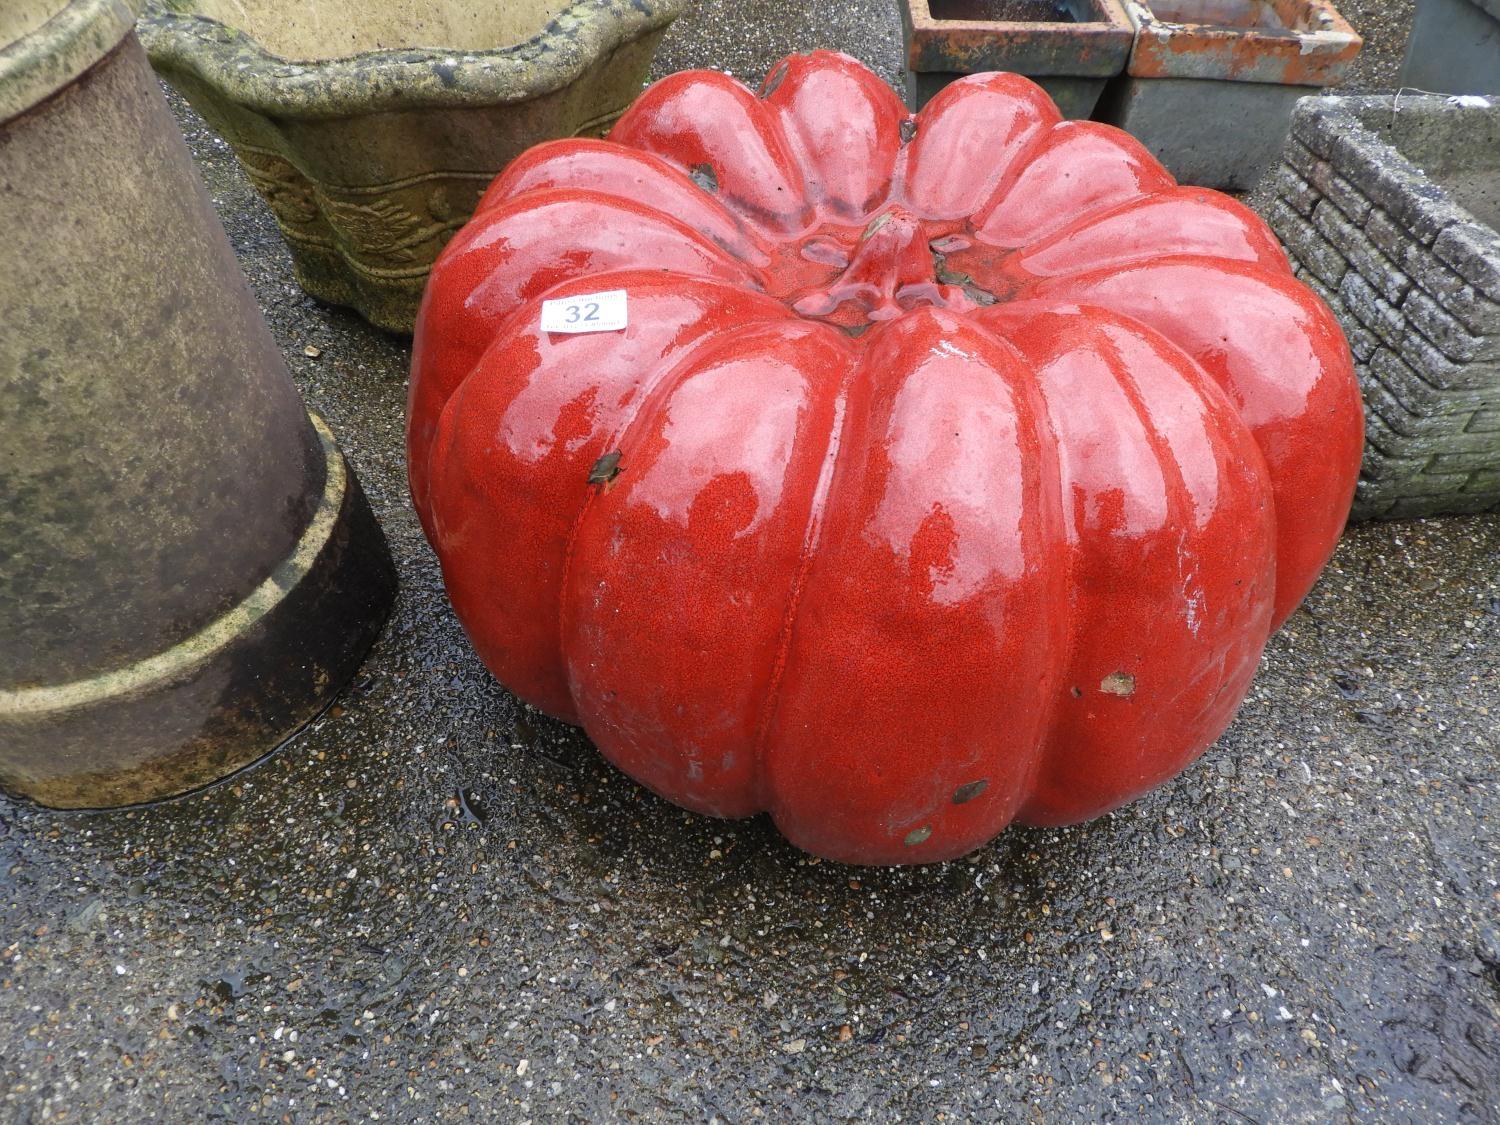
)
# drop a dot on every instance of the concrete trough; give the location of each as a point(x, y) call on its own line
point(1389, 208)
point(1454, 47)
point(1210, 84)
point(1071, 48)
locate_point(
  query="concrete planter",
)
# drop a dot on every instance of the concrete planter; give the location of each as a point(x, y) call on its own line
point(1454, 47)
point(1210, 84)
point(1068, 47)
point(188, 569)
point(373, 128)
point(1390, 212)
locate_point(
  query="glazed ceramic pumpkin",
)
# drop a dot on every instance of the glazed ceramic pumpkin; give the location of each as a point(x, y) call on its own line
point(949, 470)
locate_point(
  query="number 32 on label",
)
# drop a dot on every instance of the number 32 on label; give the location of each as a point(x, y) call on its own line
point(587, 312)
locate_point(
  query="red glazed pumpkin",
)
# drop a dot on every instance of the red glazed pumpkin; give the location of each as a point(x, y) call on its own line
point(952, 469)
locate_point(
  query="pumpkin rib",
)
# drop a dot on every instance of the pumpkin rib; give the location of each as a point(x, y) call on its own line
point(1312, 451)
point(625, 545)
point(1068, 621)
point(463, 296)
point(478, 241)
point(565, 199)
point(1114, 251)
point(1070, 746)
point(661, 384)
point(682, 118)
point(1226, 419)
point(492, 391)
point(599, 166)
point(1131, 161)
point(939, 600)
point(811, 537)
point(828, 77)
point(976, 105)
point(1172, 488)
point(1024, 160)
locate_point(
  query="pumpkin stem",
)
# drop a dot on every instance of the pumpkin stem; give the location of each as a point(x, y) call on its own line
point(892, 270)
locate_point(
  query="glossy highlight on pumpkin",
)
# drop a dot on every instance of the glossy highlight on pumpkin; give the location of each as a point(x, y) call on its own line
point(953, 469)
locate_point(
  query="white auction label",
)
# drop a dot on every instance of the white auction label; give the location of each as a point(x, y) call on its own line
point(587, 312)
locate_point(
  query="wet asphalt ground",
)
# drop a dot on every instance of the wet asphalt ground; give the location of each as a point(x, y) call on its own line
point(435, 904)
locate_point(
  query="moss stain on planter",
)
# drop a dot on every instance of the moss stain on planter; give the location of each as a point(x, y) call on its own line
point(371, 146)
point(188, 571)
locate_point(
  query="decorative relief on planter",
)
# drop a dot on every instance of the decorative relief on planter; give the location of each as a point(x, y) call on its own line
point(381, 233)
point(1389, 210)
point(372, 148)
point(1068, 47)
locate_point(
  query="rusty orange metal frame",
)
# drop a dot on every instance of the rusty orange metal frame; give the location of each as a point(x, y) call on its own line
point(1096, 47)
point(1311, 48)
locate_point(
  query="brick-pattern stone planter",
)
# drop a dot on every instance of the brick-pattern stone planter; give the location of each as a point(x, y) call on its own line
point(1389, 210)
point(1070, 48)
point(1210, 84)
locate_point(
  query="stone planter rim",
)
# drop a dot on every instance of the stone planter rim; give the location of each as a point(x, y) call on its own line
point(38, 61)
point(1335, 121)
point(1175, 49)
point(230, 60)
point(1085, 48)
point(1347, 115)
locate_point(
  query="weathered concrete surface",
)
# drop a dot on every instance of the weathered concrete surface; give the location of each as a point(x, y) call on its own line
point(492, 895)
point(1070, 50)
point(1183, 122)
point(1454, 47)
point(1212, 101)
point(188, 573)
point(1389, 210)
